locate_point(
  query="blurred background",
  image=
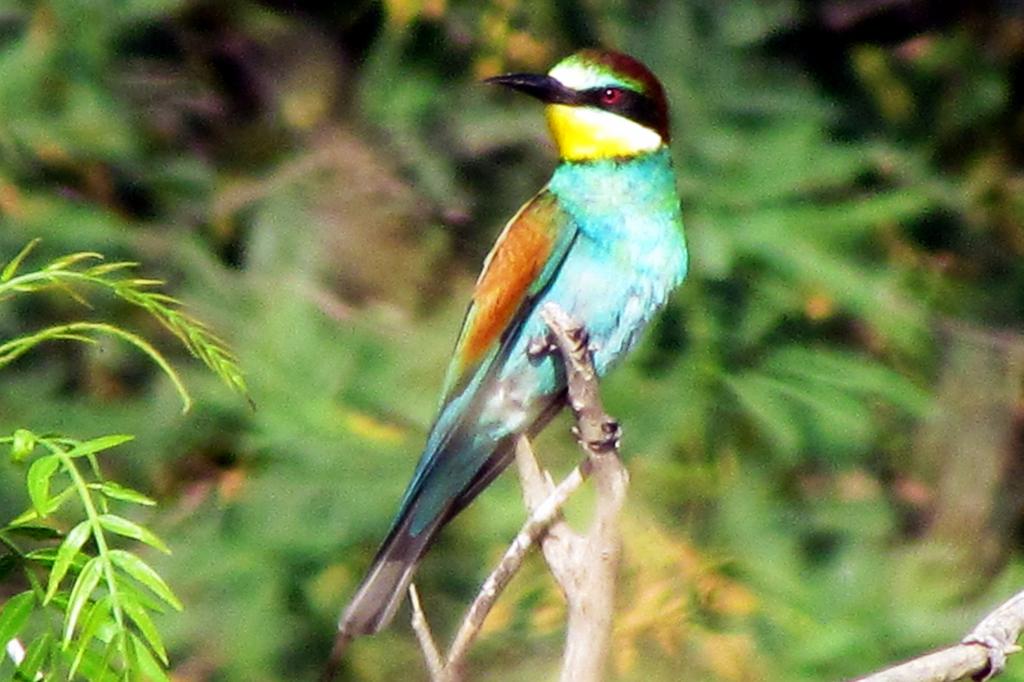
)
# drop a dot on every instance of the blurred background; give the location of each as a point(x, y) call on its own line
point(825, 430)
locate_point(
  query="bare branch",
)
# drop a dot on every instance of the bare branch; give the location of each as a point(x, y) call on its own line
point(598, 432)
point(426, 639)
point(586, 567)
point(543, 515)
point(536, 484)
point(981, 655)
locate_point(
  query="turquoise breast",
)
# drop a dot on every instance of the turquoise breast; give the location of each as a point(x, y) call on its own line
point(628, 256)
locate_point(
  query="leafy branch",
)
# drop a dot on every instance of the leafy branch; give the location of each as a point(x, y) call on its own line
point(107, 601)
point(68, 274)
point(104, 594)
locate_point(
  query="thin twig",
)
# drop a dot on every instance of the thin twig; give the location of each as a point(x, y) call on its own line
point(584, 566)
point(546, 512)
point(426, 639)
point(536, 484)
point(981, 655)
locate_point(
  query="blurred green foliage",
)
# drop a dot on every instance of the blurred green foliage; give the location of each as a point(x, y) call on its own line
point(813, 496)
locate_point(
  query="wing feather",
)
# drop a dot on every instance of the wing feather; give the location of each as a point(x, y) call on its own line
point(520, 264)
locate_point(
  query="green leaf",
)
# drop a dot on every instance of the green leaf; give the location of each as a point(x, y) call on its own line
point(97, 663)
point(107, 268)
point(65, 262)
point(144, 573)
point(48, 555)
point(14, 614)
point(34, 531)
point(854, 373)
point(116, 491)
point(65, 555)
point(52, 505)
point(98, 615)
point(142, 282)
point(129, 529)
point(80, 593)
point(44, 555)
point(22, 445)
point(34, 657)
point(22, 344)
point(145, 624)
point(838, 422)
point(14, 263)
point(148, 666)
point(38, 481)
point(98, 444)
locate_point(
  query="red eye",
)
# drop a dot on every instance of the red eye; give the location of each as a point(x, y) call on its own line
point(611, 96)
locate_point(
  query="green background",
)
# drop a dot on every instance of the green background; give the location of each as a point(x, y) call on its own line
point(825, 430)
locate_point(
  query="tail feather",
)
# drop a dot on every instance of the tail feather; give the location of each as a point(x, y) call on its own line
point(381, 592)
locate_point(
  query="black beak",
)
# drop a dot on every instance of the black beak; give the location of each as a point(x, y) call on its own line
point(544, 88)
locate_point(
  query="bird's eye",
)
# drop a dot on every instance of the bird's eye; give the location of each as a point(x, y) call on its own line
point(611, 96)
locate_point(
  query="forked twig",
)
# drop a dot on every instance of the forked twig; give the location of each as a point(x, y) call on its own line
point(584, 566)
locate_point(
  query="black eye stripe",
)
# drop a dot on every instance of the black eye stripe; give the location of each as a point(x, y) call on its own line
point(630, 104)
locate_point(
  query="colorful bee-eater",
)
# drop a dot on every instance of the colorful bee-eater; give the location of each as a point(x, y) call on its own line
point(603, 240)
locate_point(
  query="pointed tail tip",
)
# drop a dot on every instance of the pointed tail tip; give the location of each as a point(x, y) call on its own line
point(366, 615)
point(383, 589)
point(377, 600)
point(333, 664)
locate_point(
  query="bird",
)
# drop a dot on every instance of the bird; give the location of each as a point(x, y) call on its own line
point(603, 240)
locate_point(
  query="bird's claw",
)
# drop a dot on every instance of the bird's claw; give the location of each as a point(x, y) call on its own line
point(540, 346)
point(608, 440)
point(580, 338)
point(612, 435)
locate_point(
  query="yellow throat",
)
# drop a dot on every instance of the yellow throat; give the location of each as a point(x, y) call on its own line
point(586, 134)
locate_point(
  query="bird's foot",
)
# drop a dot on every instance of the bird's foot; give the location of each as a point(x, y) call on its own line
point(580, 338)
point(602, 440)
point(541, 346)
